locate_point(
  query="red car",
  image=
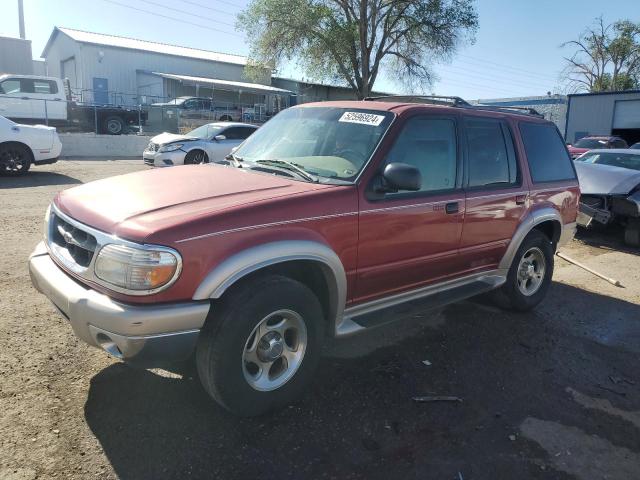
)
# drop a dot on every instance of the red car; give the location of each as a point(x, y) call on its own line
point(324, 222)
point(595, 142)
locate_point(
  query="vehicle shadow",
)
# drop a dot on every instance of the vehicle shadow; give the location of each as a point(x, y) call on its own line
point(358, 419)
point(37, 179)
point(609, 238)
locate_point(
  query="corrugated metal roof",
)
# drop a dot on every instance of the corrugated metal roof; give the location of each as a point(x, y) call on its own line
point(143, 45)
point(224, 83)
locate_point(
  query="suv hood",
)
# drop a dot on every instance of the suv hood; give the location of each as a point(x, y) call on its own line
point(167, 137)
point(139, 204)
point(604, 179)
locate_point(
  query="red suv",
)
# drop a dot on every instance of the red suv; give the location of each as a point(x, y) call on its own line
point(595, 142)
point(325, 220)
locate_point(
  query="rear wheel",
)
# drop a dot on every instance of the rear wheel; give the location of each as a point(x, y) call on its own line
point(114, 125)
point(261, 349)
point(195, 157)
point(225, 118)
point(15, 159)
point(530, 274)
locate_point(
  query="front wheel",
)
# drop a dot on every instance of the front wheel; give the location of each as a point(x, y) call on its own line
point(196, 157)
point(15, 159)
point(530, 274)
point(260, 350)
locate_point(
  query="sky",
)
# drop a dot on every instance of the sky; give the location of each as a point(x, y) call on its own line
point(516, 50)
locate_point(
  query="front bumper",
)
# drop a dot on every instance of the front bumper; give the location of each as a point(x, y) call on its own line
point(163, 159)
point(144, 334)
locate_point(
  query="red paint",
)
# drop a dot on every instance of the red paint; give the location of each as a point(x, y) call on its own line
point(385, 246)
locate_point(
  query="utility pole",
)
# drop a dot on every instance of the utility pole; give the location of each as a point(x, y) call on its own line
point(21, 19)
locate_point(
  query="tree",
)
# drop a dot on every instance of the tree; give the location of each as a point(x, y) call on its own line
point(353, 40)
point(606, 57)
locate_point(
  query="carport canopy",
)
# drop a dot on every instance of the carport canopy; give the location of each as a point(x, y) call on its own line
point(227, 85)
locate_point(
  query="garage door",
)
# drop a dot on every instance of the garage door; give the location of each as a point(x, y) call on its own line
point(627, 114)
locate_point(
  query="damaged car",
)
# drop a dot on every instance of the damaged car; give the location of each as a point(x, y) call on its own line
point(610, 185)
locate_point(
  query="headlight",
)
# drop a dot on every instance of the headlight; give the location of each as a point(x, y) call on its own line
point(171, 148)
point(136, 268)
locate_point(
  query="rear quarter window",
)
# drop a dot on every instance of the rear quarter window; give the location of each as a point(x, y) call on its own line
point(547, 155)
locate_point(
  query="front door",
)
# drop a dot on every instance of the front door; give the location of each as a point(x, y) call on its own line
point(100, 91)
point(410, 239)
point(14, 100)
point(495, 196)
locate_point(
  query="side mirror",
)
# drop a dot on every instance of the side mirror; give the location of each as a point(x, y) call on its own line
point(399, 176)
point(219, 138)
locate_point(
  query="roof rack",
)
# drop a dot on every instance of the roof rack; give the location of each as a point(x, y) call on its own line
point(430, 99)
point(454, 102)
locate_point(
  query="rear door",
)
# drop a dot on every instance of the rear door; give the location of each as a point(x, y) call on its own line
point(495, 196)
point(410, 239)
point(48, 101)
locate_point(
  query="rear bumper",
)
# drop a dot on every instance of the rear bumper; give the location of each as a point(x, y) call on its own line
point(143, 334)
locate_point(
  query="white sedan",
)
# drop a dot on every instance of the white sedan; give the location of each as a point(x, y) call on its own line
point(23, 145)
point(209, 143)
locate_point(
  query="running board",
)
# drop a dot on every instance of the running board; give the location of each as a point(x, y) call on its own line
point(406, 304)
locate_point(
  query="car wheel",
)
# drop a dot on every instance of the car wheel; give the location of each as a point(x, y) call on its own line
point(225, 118)
point(114, 125)
point(195, 157)
point(260, 349)
point(530, 274)
point(15, 159)
point(632, 232)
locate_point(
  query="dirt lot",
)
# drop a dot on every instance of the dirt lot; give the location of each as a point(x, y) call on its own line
point(552, 394)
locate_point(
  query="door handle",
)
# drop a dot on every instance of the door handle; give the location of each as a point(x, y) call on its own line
point(521, 199)
point(452, 207)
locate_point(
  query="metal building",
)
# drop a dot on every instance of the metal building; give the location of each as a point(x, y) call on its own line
point(15, 56)
point(552, 107)
point(604, 113)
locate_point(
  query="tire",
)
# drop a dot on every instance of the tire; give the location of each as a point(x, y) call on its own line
point(15, 159)
point(196, 157)
point(114, 125)
point(239, 339)
point(520, 292)
point(226, 118)
point(632, 232)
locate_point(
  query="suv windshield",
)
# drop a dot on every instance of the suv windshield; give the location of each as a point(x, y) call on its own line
point(326, 142)
point(623, 160)
point(205, 132)
point(590, 143)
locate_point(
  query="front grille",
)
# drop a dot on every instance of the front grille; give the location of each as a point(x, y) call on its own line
point(78, 244)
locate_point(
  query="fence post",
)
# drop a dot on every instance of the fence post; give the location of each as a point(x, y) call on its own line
point(139, 119)
point(95, 116)
point(46, 113)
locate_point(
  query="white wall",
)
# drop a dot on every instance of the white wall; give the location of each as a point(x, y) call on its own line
point(100, 146)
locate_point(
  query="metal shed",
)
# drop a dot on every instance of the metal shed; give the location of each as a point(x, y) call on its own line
point(604, 113)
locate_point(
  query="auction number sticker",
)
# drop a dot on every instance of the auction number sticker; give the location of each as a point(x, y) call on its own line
point(363, 118)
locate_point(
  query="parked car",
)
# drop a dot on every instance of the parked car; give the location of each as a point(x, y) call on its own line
point(610, 184)
point(595, 142)
point(328, 218)
point(24, 145)
point(35, 99)
point(209, 143)
point(200, 108)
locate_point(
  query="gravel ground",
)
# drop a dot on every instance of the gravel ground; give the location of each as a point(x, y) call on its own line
point(551, 394)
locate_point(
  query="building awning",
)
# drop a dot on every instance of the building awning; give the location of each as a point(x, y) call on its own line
point(227, 85)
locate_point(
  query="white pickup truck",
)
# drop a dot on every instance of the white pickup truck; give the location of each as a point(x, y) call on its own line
point(35, 99)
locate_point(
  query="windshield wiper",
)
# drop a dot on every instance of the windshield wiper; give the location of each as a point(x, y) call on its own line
point(291, 167)
point(234, 157)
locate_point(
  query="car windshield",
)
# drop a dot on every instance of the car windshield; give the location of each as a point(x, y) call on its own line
point(328, 142)
point(590, 143)
point(206, 132)
point(623, 160)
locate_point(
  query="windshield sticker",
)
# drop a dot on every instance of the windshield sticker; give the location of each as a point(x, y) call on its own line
point(362, 118)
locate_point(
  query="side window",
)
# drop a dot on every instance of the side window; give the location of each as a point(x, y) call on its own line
point(429, 144)
point(191, 105)
point(238, 133)
point(491, 156)
point(44, 86)
point(546, 153)
point(11, 85)
point(619, 143)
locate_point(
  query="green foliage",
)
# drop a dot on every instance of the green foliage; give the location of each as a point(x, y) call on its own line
point(607, 57)
point(352, 40)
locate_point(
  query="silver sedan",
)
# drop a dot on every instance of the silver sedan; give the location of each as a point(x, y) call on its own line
point(208, 143)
